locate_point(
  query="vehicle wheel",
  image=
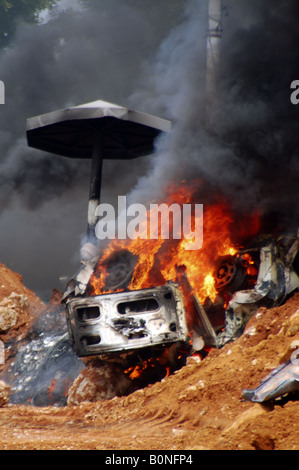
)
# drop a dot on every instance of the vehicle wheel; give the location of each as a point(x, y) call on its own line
point(120, 267)
point(229, 274)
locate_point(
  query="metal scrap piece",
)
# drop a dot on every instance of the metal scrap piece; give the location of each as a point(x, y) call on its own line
point(126, 321)
point(129, 327)
point(282, 380)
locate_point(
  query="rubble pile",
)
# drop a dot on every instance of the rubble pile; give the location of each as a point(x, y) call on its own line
point(11, 308)
point(36, 359)
point(19, 308)
point(98, 382)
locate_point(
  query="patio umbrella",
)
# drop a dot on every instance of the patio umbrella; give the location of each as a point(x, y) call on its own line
point(98, 130)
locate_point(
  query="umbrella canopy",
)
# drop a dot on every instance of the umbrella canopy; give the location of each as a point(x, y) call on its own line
point(70, 132)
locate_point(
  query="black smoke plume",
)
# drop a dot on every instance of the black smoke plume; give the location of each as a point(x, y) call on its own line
point(249, 152)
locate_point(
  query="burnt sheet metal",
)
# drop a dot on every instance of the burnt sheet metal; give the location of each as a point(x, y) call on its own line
point(275, 282)
point(119, 265)
point(200, 328)
point(77, 285)
point(205, 330)
point(126, 321)
point(283, 380)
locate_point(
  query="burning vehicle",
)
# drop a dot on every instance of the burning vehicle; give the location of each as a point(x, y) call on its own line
point(262, 276)
point(137, 300)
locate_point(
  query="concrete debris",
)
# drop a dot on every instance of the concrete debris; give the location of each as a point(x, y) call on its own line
point(4, 393)
point(10, 310)
point(98, 382)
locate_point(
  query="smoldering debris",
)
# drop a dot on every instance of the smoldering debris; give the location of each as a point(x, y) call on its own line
point(43, 371)
point(44, 365)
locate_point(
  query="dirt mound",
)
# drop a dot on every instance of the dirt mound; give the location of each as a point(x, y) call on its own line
point(198, 407)
point(19, 308)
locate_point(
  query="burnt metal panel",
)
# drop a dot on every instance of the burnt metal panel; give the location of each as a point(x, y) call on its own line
point(126, 321)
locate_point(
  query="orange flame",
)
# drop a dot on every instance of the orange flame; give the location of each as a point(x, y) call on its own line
point(158, 258)
point(150, 365)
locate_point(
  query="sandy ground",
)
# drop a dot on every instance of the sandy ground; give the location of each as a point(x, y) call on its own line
point(198, 407)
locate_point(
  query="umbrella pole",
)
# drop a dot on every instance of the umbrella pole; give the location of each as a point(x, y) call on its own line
point(95, 186)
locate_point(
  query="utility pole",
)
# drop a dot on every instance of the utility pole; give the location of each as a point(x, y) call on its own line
point(213, 52)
